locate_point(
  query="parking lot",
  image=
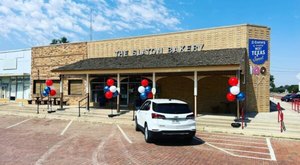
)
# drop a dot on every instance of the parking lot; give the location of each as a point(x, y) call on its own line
point(25, 140)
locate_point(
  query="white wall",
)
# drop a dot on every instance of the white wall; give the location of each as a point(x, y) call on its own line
point(15, 62)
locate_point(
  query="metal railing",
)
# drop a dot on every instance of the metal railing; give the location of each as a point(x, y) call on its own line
point(87, 98)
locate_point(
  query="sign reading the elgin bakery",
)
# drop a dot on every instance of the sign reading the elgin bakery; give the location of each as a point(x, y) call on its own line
point(258, 51)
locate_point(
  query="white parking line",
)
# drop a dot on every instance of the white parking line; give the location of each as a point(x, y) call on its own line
point(234, 137)
point(125, 136)
point(272, 153)
point(240, 156)
point(232, 154)
point(18, 123)
point(239, 145)
point(235, 141)
point(62, 133)
point(252, 152)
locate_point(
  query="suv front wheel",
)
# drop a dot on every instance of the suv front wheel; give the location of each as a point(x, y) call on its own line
point(136, 125)
point(148, 135)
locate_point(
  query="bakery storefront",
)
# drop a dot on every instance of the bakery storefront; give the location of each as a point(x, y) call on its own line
point(193, 66)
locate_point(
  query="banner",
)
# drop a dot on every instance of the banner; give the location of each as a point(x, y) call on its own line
point(258, 51)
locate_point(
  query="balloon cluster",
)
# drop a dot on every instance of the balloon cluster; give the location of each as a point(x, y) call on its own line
point(49, 90)
point(234, 90)
point(145, 90)
point(110, 90)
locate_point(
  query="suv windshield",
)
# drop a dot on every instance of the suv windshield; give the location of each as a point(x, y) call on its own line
point(171, 108)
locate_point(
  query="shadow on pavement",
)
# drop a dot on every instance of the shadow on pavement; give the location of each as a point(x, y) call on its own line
point(179, 142)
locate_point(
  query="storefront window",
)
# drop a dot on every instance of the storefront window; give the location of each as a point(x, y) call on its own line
point(75, 87)
point(39, 86)
point(20, 88)
point(26, 87)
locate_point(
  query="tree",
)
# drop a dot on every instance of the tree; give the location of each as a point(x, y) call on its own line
point(60, 41)
point(293, 89)
point(272, 84)
point(54, 41)
point(64, 40)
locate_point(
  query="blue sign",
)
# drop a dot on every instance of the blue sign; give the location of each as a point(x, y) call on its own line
point(258, 51)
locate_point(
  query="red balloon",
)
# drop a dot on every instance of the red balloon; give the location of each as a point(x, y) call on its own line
point(233, 81)
point(109, 95)
point(150, 95)
point(52, 92)
point(49, 83)
point(230, 97)
point(145, 82)
point(110, 82)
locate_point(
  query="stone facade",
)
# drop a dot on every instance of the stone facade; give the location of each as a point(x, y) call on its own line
point(46, 58)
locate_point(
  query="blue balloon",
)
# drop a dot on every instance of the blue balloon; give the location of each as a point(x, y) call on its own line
point(116, 94)
point(241, 96)
point(45, 93)
point(47, 89)
point(106, 88)
point(143, 96)
point(148, 89)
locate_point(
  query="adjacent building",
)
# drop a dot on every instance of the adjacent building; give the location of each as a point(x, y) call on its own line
point(15, 70)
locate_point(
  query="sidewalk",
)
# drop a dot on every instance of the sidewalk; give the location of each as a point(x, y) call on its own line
point(69, 113)
point(261, 124)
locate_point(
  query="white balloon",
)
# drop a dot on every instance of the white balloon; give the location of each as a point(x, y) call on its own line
point(141, 89)
point(113, 89)
point(235, 90)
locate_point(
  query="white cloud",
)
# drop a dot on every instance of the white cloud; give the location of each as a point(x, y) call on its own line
point(39, 21)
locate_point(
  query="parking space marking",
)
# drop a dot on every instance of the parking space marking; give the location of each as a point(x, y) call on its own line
point(232, 154)
point(272, 153)
point(18, 123)
point(262, 153)
point(125, 136)
point(239, 145)
point(62, 133)
point(235, 137)
point(235, 141)
point(231, 151)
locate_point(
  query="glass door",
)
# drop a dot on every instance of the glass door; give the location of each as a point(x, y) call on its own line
point(13, 87)
point(124, 95)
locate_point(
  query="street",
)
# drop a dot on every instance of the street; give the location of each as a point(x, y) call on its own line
point(26, 140)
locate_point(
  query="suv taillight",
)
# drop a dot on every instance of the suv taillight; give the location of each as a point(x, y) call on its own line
point(190, 116)
point(157, 116)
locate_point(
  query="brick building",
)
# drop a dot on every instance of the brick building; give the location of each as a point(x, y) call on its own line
point(193, 66)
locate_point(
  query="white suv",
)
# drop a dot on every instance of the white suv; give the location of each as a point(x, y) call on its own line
point(165, 117)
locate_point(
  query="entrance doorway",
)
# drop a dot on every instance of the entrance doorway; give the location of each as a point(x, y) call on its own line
point(124, 95)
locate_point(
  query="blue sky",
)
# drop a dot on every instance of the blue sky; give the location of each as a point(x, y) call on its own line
point(37, 22)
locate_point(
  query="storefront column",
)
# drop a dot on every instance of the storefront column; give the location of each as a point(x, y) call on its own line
point(195, 92)
point(237, 101)
point(87, 90)
point(118, 89)
point(154, 85)
point(61, 84)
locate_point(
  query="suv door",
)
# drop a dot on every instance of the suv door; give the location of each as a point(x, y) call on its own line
point(142, 113)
